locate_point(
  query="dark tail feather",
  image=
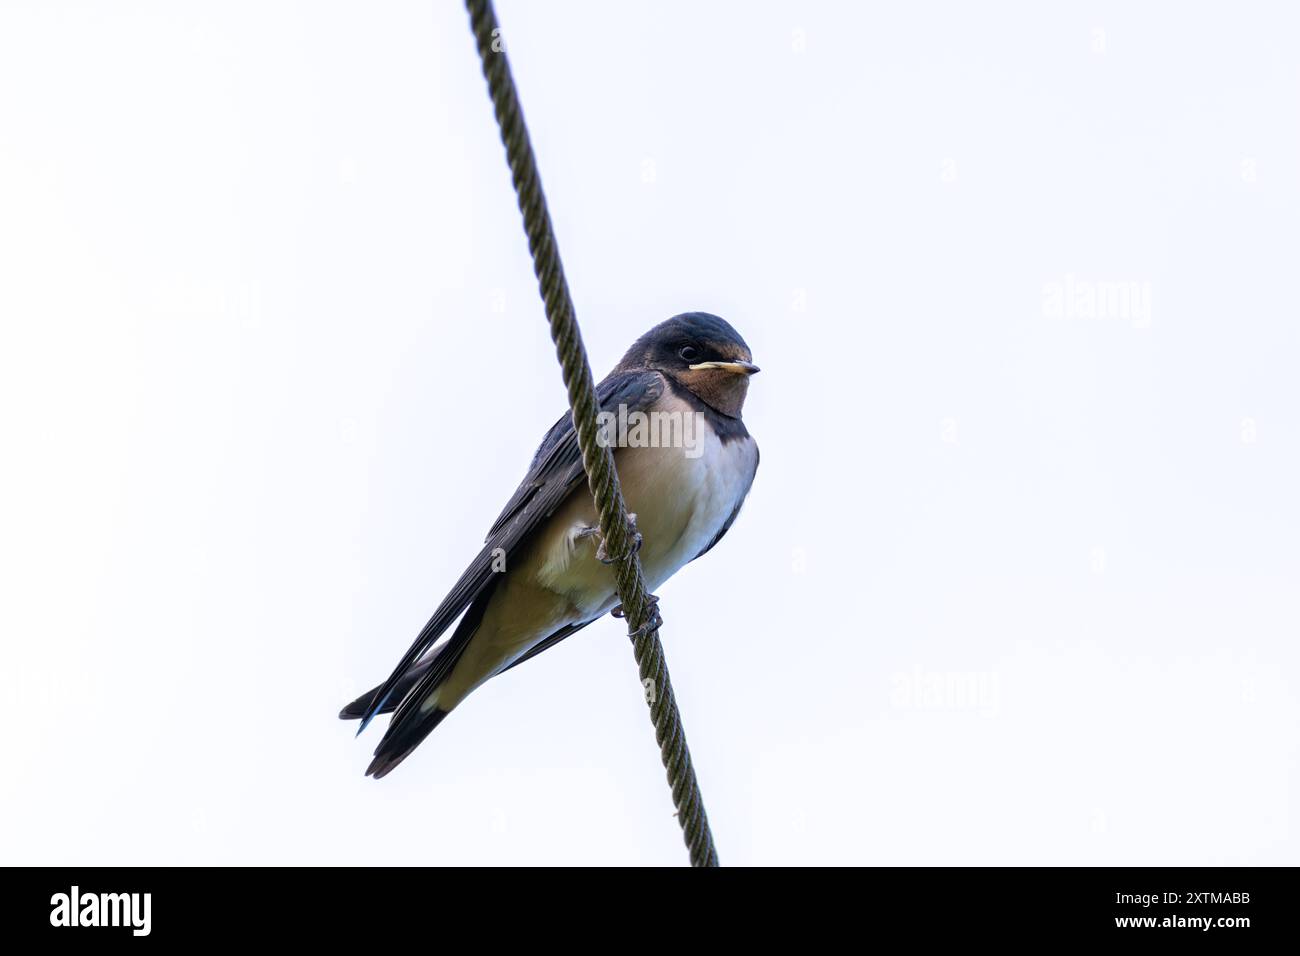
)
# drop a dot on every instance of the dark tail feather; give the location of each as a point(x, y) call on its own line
point(401, 740)
point(357, 709)
point(411, 723)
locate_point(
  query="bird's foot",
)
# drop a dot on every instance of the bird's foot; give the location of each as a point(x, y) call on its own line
point(603, 556)
point(653, 620)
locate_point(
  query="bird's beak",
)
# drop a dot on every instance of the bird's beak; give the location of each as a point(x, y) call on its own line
point(738, 368)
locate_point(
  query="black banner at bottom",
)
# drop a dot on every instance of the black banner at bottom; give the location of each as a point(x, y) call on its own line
point(386, 907)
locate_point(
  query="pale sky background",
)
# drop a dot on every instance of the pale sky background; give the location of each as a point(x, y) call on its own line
point(1015, 585)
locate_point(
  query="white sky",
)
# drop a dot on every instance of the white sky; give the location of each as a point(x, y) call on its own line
point(1014, 585)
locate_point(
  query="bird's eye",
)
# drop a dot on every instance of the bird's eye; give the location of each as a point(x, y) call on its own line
point(689, 353)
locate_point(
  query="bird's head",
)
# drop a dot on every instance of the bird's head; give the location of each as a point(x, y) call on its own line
point(702, 353)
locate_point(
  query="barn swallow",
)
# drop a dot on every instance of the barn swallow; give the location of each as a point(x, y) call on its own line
point(542, 574)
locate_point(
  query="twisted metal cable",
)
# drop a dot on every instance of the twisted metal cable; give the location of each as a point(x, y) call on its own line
point(597, 456)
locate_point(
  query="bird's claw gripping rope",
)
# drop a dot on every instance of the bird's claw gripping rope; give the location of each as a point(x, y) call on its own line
point(604, 557)
point(653, 620)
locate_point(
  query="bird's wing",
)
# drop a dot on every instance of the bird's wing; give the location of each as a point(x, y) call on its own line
point(556, 470)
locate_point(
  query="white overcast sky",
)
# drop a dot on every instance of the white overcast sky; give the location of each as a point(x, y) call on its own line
point(1017, 582)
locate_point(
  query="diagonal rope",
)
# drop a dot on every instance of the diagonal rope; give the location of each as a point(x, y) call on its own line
point(597, 457)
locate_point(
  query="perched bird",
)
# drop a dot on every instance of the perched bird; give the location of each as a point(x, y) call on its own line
point(542, 574)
